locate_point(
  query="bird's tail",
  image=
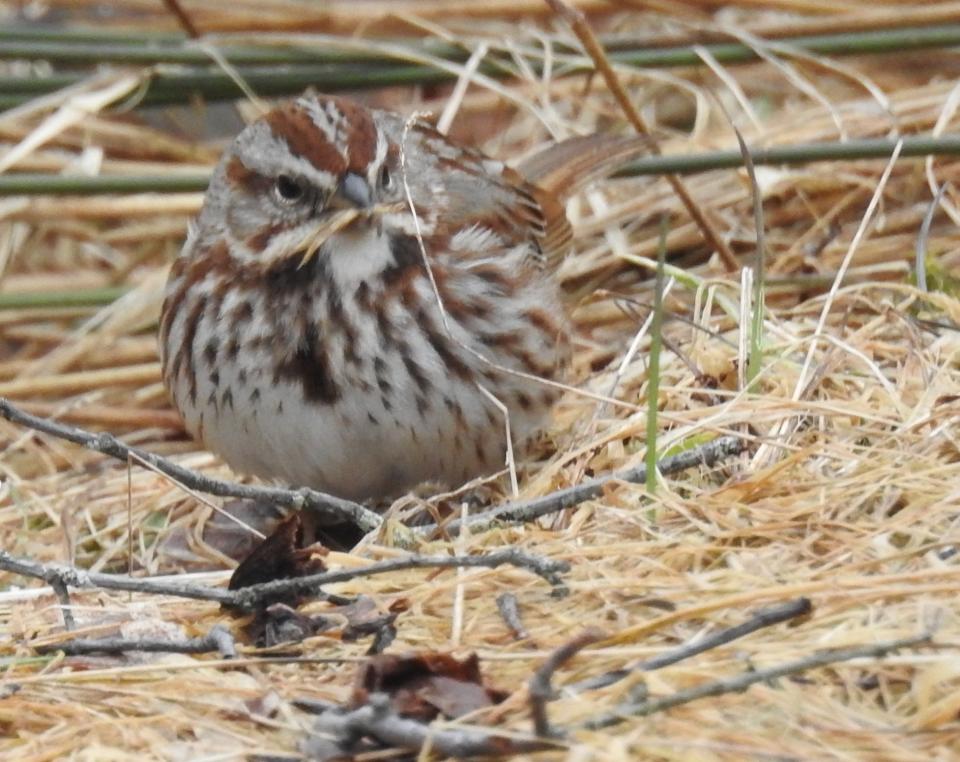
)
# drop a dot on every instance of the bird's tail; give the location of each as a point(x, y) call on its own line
point(565, 168)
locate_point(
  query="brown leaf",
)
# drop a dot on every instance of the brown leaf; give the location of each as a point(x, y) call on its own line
point(426, 685)
point(280, 556)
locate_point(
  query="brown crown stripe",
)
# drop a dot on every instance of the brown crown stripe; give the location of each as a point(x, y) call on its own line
point(291, 124)
point(362, 137)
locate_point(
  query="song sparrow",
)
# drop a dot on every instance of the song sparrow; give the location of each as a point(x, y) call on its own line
point(302, 334)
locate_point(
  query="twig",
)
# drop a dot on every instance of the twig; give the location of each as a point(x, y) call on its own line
point(764, 618)
point(70, 576)
point(755, 360)
point(30, 183)
point(550, 570)
point(540, 686)
point(594, 48)
point(527, 510)
point(743, 681)
point(63, 595)
point(337, 733)
point(318, 503)
point(510, 611)
point(653, 362)
point(218, 640)
point(257, 595)
point(183, 18)
point(920, 263)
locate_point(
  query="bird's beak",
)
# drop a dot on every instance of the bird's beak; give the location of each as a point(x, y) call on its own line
point(353, 192)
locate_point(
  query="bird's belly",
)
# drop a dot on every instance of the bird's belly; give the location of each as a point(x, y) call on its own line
point(368, 443)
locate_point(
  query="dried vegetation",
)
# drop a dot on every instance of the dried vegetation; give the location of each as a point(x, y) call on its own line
point(848, 494)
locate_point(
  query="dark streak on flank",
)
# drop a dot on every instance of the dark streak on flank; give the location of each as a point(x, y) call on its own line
point(210, 351)
point(416, 373)
point(242, 313)
point(184, 358)
point(380, 371)
point(310, 368)
point(451, 361)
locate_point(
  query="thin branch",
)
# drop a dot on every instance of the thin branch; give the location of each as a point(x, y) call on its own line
point(182, 17)
point(581, 27)
point(548, 569)
point(337, 733)
point(743, 681)
point(70, 576)
point(317, 503)
point(920, 262)
point(510, 611)
point(524, 511)
point(63, 595)
point(27, 183)
point(218, 640)
point(540, 686)
point(255, 596)
point(764, 618)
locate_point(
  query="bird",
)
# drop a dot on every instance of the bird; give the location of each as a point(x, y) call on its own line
point(364, 304)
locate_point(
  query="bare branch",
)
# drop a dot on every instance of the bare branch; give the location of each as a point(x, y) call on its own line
point(743, 681)
point(527, 510)
point(540, 686)
point(764, 618)
point(337, 733)
point(256, 596)
point(318, 503)
point(70, 576)
point(218, 640)
point(510, 611)
point(63, 595)
point(594, 48)
point(550, 570)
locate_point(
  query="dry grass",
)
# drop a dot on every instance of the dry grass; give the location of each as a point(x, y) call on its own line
point(852, 499)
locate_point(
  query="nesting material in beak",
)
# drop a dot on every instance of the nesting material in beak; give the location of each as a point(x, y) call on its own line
point(319, 235)
point(351, 201)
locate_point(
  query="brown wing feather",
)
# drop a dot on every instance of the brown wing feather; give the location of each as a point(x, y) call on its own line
point(562, 170)
point(565, 168)
point(544, 215)
point(526, 203)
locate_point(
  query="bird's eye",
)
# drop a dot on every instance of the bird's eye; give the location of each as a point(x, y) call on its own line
point(386, 179)
point(289, 190)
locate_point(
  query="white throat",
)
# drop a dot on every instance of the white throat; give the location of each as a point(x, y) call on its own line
point(357, 255)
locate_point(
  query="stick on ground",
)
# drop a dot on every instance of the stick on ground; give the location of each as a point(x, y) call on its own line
point(255, 596)
point(319, 503)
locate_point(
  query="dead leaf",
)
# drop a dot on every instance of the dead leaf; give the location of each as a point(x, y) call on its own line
point(281, 556)
point(426, 685)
